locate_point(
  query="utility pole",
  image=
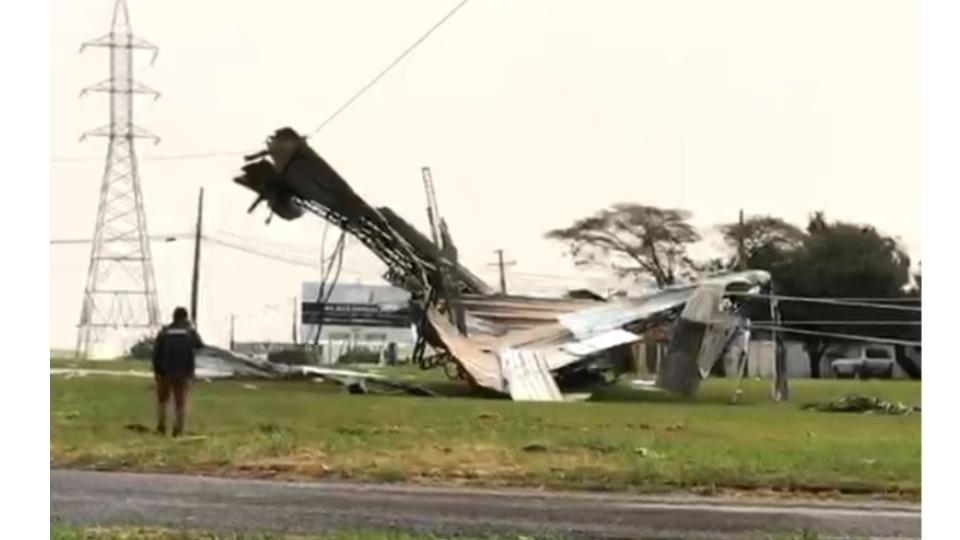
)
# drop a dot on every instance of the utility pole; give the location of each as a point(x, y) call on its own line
point(741, 248)
point(295, 320)
point(233, 341)
point(780, 390)
point(194, 288)
point(502, 264)
point(120, 295)
point(433, 210)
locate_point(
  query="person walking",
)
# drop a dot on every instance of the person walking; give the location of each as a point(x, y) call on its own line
point(173, 368)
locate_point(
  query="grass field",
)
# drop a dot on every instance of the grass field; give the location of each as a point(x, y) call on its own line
point(623, 440)
point(144, 533)
point(60, 532)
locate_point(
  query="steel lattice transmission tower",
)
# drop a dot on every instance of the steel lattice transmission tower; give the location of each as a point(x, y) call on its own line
point(120, 296)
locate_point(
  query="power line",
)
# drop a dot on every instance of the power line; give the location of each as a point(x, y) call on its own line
point(309, 251)
point(553, 276)
point(253, 251)
point(250, 313)
point(337, 259)
point(851, 337)
point(161, 157)
point(154, 237)
point(852, 323)
point(280, 258)
point(830, 301)
point(389, 67)
point(223, 243)
point(877, 299)
point(290, 255)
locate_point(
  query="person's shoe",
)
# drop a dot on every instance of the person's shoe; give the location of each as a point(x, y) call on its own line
point(161, 429)
point(177, 431)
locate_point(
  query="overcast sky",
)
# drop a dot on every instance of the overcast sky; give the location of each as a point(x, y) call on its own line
point(530, 113)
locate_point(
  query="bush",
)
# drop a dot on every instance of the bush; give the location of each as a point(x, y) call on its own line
point(142, 350)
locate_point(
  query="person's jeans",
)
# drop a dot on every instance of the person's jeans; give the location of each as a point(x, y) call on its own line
point(178, 386)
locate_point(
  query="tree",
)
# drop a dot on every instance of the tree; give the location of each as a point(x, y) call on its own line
point(844, 259)
point(839, 260)
point(765, 241)
point(142, 349)
point(634, 240)
point(915, 290)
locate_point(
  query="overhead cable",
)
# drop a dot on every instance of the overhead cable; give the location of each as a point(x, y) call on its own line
point(389, 67)
point(252, 251)
point(323, 293)
point(287, 246)
point(836, 335)
point(160, 157)
point(851, 323)
point(280, 258)
point(830, 301)
point(155, 237)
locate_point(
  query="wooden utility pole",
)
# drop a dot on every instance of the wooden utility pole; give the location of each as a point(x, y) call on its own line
point(780, 390)
point(741, 248)
point(433, 212)
point(194, 288)
point(295, 341)
point(233, 341)
point(503, 276)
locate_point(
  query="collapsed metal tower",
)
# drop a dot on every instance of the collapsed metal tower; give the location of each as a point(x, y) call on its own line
point(120, 296)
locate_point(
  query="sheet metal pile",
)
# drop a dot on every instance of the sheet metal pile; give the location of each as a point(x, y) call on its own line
point(523, 346)
point(216, 363)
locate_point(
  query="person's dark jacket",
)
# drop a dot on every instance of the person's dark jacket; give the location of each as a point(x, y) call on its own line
point(173, 350)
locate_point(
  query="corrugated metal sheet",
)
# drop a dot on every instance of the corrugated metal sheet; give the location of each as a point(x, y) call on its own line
point(614, 315)
point(527, 377)
point(518, 312)
point(698, 340)
point(479, 362)
point(607, 317)
point(600, 342)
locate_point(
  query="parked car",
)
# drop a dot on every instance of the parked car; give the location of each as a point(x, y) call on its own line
point(861, 361)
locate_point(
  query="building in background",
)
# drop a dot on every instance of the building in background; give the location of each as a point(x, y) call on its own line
point(357, 320)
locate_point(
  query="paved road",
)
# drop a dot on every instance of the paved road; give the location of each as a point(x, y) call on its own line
point(222, 504)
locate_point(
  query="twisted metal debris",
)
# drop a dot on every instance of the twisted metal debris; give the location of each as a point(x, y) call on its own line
point(524, 346)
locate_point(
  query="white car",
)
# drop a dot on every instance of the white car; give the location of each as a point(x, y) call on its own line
point(861, 361)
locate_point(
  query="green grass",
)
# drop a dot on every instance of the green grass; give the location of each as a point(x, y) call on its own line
point(60, 532)
point(120, 364)
point(624, 440)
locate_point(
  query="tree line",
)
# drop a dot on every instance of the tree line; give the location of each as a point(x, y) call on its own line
point(826, 259)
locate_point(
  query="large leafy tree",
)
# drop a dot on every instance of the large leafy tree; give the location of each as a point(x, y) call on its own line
point(761, 241)
point(842, 260)
point(634, 240)
point(845, 259)
point(828, 260)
